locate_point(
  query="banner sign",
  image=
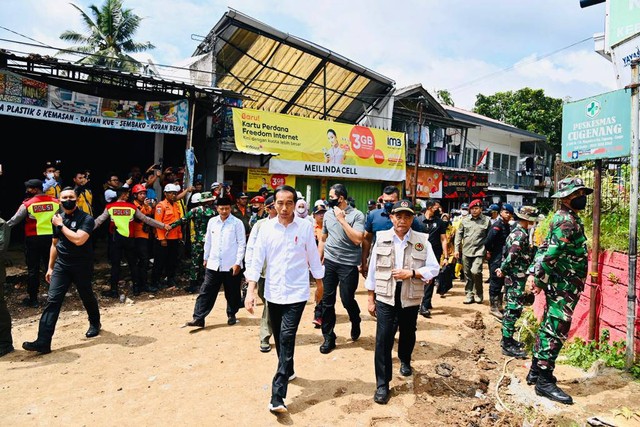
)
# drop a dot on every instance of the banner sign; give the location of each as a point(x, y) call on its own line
point(478, 185)
point(454, 185)
point(261, 178)
point(597, 128)
point(320, 148)
point(429, 183)
point(32, 99)
point(622, 22)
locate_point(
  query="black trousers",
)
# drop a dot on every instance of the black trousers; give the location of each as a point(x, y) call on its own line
point(165, 260)
point(6, 341)
point(122, 247)
point(142, 261)
point(36, 252)
point(344, 277)
point(61, 279)
point(209, 293)
point(285, 319)
point(428, 290)
point(407, 319)
point(495, 283)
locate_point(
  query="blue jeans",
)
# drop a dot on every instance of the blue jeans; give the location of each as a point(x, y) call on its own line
point(284, 319)
point(346, 277)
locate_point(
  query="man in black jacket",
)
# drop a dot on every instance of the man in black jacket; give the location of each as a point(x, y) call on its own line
point(494, 245)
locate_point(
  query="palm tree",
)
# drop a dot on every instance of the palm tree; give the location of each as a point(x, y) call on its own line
point(110, 37)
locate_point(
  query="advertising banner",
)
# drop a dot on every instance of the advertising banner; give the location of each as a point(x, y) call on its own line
point(597, 128)
point(429, 183)
point(258, 178)
point(32, 99)
point(320, 148)
point(478, 183)
point(454, 185)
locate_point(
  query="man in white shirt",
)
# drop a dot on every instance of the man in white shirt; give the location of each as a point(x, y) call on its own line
point(288, 247)
point(401, 263)
point(224, 246)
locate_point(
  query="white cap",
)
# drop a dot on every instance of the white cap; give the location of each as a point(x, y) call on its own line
point(319, 202)
point(172, 187)
point(196, 198)
point(215, 185)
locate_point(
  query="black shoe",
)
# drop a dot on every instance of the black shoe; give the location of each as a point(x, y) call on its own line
point(425, 313)
point(547, 388)
point(28, 302)
point(93, 331)
point(405, 369)
point(153, 289)
point(382, 395)
point(36, 346)
point(112, 293)
point(232, 320)
point(6, 350)
point(328, 345)
point(355, 331)
point(196, 323)
point(511, 350)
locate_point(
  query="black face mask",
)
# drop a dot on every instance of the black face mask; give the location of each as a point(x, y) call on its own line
point(254, 209)
point(68, 204)
point(333, 202)
point(579, 203)
point(388, 206)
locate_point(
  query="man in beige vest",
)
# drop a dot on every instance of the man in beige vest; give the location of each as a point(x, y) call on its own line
point(400, 265)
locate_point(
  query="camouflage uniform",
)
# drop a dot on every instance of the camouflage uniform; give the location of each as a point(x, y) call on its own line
point(518, 257)
point(200, 215)
point(560, 268)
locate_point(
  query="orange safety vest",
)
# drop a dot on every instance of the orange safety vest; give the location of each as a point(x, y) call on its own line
point(168, 213)
point(138, 226)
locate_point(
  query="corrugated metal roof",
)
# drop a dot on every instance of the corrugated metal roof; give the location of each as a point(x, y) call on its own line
point(285, 74)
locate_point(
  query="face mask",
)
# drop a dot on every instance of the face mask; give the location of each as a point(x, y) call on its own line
point(333, 202)
point(512, 223)
point(579, 203)
point(68, 204)
point(464, 212)
point(254, 209)
point(301, 210)
point(388, 206)
point(50, 175)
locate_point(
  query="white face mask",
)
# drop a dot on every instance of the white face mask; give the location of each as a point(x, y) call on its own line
point(464, 212)
point(50, 175)
point(512, 222)
point(301, 210)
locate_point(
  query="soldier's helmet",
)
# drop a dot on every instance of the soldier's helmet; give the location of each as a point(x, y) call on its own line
point(205, 196)
point(569, 185)
point(527, 213)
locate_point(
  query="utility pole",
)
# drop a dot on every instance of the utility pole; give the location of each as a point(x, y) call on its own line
point(594, 274)
point(414, 193)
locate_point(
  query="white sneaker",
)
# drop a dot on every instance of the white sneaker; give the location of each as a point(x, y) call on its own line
point(293, 377)
point(278, 409)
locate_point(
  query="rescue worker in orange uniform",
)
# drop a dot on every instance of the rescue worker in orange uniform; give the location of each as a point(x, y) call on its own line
point(142, 235)
point(167, 247)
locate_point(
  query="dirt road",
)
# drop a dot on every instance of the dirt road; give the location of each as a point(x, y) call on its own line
point(146, 369)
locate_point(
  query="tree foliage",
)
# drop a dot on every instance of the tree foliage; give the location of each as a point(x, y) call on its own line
point(108, 41)
point(527, 109)
point(444, 96)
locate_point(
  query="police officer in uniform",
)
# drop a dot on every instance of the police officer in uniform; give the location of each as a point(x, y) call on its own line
point(401, 263)
point(559, 269)
point(518, 256)
point(494, 246)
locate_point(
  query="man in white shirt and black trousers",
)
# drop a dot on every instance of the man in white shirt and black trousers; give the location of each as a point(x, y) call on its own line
point(401, 263)
point(224, 246)
point(287, 245)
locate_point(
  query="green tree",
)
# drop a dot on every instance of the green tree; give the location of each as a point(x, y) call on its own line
point(109, 39)
point(444, 96)
point(527, 109)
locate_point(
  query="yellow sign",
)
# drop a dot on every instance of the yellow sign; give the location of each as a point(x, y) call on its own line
point(320, 148)
point(262, 178)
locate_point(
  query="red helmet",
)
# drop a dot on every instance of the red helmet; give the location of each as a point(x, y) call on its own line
point(138, 188)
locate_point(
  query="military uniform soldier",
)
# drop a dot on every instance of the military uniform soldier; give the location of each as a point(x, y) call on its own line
point(518, 256)
point(200, 215)
point(560, 269)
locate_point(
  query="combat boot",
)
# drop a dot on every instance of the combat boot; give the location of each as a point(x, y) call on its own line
point(495, 308)
point(534, 373)
point(546, 387)
point(510, 348)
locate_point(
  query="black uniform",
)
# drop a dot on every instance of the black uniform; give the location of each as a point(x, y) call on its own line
point(494, 244)
point(435, 228)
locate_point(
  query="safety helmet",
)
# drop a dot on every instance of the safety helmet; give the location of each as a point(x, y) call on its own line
point(196, 198)
point(464, 206)
point(138, 188)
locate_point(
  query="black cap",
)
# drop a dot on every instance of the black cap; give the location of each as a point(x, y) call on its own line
point(241, 194)
point(269, 201)
point(319, 208)
point(223, 201)
point(371, 202)
point(33, 183)
point(403, 206)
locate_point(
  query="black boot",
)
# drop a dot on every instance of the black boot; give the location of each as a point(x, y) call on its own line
point(534, 372)
point(495, 308)
point(547, 387)
point(510, 348)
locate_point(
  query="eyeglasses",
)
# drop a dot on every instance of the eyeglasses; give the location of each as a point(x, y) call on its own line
point(114, 180)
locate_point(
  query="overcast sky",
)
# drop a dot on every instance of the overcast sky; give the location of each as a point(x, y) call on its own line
point(464, 46)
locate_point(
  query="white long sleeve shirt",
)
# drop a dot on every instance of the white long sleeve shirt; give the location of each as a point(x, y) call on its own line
point(224, 243)
point(430, 270)
point(290, 252)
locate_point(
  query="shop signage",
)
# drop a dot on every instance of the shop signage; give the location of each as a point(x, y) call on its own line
point(32, 99)
point(464, 185)
point(258, 178)
point(597, 128)
point(320, 148)
point(429, 183)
